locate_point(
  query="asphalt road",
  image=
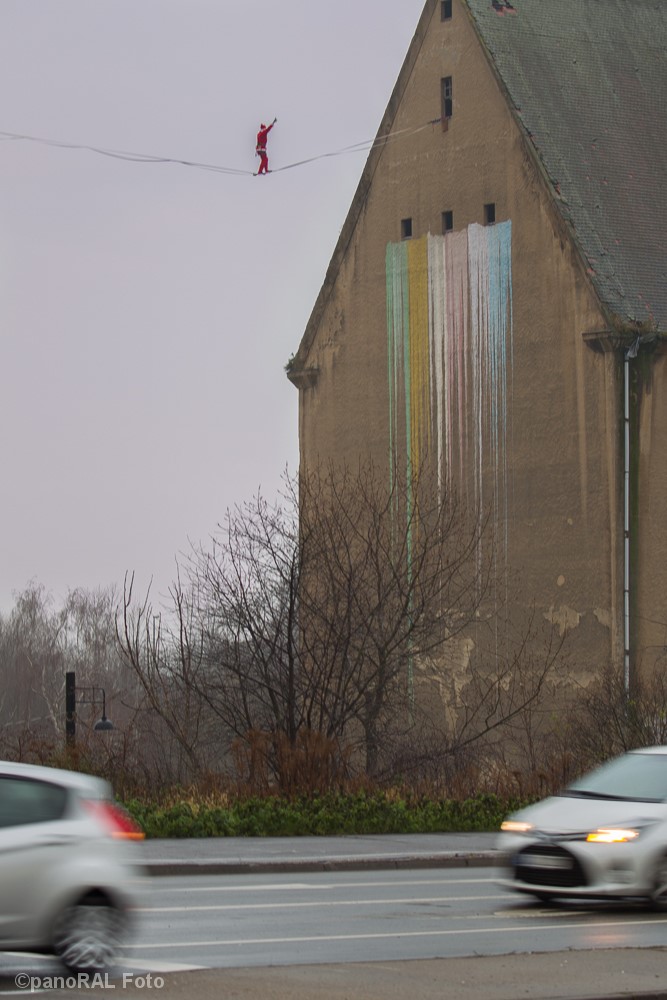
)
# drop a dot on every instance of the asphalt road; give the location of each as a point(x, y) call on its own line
point(610, 969)
point(234, 921)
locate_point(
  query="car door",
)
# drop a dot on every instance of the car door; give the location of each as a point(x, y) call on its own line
point(33, 844)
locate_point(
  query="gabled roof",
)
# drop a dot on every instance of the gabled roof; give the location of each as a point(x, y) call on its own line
point(588, 82)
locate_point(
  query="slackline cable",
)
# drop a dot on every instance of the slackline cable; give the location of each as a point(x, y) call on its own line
point(118, 154)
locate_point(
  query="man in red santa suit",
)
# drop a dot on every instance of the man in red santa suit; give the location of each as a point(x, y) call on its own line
point(260, 150)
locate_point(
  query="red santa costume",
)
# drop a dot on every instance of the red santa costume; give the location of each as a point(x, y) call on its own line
point(261, 147)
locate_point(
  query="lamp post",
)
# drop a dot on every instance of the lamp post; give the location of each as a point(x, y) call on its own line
point(72, 695)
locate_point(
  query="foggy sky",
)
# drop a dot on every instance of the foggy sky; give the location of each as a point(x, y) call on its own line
point(147, 310)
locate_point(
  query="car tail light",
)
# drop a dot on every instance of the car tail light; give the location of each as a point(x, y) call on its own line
point(115, 819)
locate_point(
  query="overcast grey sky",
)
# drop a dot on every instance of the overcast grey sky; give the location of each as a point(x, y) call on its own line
point(147, 310)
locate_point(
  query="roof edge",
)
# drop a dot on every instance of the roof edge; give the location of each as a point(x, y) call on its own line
point(297, 363)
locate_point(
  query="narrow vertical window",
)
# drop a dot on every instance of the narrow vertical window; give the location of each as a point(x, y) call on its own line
point(445, 10)
point(446, 97)
point(447, 222)
point(489, 214)
point(406, 229)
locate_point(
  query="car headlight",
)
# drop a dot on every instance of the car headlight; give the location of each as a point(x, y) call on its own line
point(516, 826)
point(612, 835)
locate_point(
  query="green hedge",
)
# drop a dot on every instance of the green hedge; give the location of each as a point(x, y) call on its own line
point(322, 815)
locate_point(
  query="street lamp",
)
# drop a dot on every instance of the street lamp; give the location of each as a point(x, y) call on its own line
point(72, 695)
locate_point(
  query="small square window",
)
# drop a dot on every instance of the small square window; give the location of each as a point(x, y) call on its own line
point(489, 214)
point(447, 222)
point(446, 97)
point(406, 229)
point(445, 10)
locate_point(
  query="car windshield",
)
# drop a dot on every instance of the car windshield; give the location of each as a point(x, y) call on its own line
point(637, 777)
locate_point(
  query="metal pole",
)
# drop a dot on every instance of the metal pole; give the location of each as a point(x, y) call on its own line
point(626, 526)
point(70, 708)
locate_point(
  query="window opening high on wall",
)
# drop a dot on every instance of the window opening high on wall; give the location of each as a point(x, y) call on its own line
point(447, 99)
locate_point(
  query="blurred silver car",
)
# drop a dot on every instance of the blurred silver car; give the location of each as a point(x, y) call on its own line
point(604, 837)
point(67, 877)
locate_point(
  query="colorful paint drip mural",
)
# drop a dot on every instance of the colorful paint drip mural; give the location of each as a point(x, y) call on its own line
point(449, 330)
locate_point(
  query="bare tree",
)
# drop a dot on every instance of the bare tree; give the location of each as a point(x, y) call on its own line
point(395, 573)
point(247, 586)
point(165, 653)
point(316, 609)
point(607, 719)
point(297, 642)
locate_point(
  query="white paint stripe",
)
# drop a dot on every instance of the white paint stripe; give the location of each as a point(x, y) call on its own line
point(194, 889)
point(283, 886)
point(149, 966)
point(313, 902)
point(554, 913)
point(30, 955)
point(22, 993)
point(235, 942)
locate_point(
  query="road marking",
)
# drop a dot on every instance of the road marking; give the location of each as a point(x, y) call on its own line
point(235, 942)
point(28, 954)
point(542, 914)
point(312, 902)
point(22, 993)
point(281, 887)
point(149, 966)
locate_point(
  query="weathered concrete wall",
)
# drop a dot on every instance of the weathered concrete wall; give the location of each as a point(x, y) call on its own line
point(561, 530)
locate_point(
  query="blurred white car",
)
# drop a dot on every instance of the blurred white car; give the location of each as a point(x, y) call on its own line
point(604, 837)
point(67, 876)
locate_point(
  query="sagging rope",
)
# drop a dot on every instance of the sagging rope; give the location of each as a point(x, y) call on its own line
point(122, 154)
point(358, 147)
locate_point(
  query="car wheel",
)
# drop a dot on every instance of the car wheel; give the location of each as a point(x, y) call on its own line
point(88, 934)
point(659, 894)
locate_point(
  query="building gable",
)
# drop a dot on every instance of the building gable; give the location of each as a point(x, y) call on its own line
point(449, 328)
point(586, 83)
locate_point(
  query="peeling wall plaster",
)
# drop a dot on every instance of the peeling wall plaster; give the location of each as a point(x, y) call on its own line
point(563, 617)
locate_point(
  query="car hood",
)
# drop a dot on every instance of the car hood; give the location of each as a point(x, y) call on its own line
point(569, 814)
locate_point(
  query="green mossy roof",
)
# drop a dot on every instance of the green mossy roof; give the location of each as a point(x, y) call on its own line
point(588, 82)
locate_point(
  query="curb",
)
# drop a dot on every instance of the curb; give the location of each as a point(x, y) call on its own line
point(477, 859)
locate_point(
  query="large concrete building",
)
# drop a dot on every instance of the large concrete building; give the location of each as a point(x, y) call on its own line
point(497, 302)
